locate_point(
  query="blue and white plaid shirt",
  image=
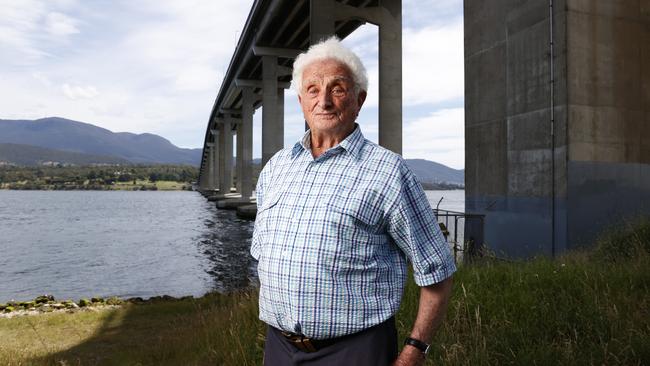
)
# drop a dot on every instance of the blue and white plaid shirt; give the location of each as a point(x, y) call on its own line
point(333, 234)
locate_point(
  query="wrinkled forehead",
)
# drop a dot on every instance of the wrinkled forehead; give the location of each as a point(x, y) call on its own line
point(327, 70)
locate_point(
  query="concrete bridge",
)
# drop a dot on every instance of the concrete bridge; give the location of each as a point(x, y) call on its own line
point(557, 109)
point(557, 120)
point(276, 31)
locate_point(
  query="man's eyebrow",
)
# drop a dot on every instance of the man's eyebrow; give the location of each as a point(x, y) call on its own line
point(308, 83)
point(341, 77)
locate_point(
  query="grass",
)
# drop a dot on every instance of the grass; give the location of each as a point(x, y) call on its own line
point(213, 330)
point(588, 308)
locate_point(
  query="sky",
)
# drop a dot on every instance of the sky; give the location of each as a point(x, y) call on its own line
point(156, 66)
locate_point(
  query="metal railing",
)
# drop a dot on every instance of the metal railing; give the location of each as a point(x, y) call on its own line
point(463, 231)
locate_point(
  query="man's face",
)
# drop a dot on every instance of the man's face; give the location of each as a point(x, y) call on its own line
point(328, 98)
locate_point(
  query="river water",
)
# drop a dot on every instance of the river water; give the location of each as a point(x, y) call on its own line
point(74, 244)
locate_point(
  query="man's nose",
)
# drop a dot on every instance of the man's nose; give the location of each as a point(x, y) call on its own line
point(325, 99)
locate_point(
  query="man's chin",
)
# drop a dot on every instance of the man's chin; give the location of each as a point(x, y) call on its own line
point(327, 123)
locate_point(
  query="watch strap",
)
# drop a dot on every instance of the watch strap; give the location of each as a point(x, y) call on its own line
point(423, 347)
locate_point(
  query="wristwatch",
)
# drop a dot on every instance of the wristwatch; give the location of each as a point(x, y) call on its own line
point(423, 347)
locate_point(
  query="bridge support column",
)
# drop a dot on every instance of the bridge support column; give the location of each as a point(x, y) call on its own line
point(280, 115)
point(215, 160)
point(273, 111)
point(245, 143)
point(239, 159)
point(225, 155)
point(210, 184)
point(202, 180)
point(321, 20)
point(390, 75)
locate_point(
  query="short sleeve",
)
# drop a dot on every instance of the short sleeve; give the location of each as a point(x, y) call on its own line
point(414, 229)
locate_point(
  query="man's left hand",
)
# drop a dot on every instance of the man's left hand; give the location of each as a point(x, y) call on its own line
point(410, 356)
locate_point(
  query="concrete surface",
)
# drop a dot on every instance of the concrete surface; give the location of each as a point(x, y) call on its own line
point(591, 168)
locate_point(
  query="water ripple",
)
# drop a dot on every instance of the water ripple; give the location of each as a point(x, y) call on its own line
point(79, 244)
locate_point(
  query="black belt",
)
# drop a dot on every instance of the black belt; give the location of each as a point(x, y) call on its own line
point(309, 345)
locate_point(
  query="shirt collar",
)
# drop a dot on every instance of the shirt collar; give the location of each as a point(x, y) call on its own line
point(352, 143)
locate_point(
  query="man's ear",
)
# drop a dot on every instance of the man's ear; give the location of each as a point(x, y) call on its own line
point(361, 98)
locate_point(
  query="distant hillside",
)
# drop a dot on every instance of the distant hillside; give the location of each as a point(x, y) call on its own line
point(79, 143)
point(432, 172)
point(27, 155)
point(63, 134)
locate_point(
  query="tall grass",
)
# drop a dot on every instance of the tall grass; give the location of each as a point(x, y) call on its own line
point(583, 309)
point(589, 308)
point(214, 330)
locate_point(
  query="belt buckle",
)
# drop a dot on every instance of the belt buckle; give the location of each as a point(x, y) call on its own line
point(300, 341)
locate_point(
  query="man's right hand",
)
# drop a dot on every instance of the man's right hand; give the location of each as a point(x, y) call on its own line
point(410, 356)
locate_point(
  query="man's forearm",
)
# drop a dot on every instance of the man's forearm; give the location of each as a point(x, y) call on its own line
point(431, 310)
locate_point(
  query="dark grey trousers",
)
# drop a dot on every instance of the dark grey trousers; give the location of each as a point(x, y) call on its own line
point(376, 346)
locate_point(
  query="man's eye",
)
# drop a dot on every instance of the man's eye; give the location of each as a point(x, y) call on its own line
point(312, 91)
point(338, 92)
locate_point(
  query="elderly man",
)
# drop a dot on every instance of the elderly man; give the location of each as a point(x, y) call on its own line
point(338, 218)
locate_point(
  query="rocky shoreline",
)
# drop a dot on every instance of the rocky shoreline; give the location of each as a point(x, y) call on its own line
point(48, 304)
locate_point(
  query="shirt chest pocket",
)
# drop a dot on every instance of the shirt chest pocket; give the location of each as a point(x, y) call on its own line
point(359, 207)
point(266, 211)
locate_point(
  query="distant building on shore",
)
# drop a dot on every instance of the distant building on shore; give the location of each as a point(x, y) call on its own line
point(557, 122)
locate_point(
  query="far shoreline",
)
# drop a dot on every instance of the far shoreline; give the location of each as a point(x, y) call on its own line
point(144, 186)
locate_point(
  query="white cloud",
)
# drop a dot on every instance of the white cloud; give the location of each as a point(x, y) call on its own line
point(432, 74)
point(59, 24)
point(420, 13)
point(19, 21)
point(432, 61)
point(439, 137)
point(159, 65)
point(197, 78)
point(433, 64)
point(42, 78)
point(79, 92)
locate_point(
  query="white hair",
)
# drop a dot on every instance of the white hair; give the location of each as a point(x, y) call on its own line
point(329, 49)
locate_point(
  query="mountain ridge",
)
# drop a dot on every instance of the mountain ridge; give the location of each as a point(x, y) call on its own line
point(63, 134)
point(75, 142)
point(29, 155)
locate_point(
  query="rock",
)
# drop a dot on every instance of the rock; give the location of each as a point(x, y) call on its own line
point(27, 304)
point(43, 299)
point(69, 304)
point(114, 300)
point(155, 299)
point(9, 309)
point(2, 306)
point(247, 211)
point(57, 306)
point(136, 300)
point(168, 298)
point(84, 303)
point(46, 308)
point(95, 300)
